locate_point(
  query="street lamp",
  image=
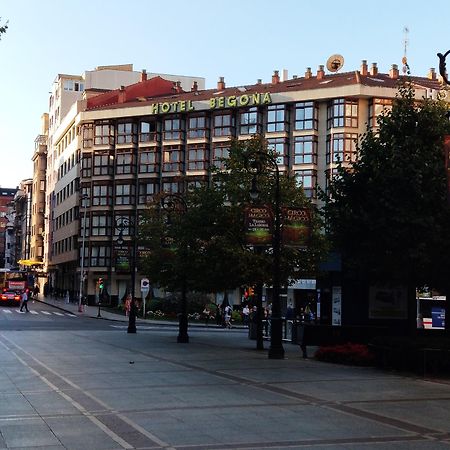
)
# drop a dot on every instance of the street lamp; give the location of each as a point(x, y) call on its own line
point(256, 163)
point(176, 203)
point(120, 226)
point(84, 198)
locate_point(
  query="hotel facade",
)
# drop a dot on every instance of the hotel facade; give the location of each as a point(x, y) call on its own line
point(115, 150)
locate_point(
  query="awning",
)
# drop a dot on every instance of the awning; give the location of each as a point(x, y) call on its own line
point(29, 262)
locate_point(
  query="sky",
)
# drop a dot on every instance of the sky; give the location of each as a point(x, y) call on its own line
point(241, 40)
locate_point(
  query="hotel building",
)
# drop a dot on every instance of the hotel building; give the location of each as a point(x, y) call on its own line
point(119, 148)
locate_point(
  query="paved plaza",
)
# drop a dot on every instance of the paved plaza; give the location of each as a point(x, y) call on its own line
point(106, 389)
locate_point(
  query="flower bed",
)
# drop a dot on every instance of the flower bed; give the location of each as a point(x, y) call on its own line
point(353, 354)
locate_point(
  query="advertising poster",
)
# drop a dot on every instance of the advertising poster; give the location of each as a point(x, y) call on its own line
point(296, 227)
point(258, 225)
point(123, 256)
point(336, 301)
point(438, 317)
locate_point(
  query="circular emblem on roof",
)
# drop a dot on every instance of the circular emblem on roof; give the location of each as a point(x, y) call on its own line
point(335, 63)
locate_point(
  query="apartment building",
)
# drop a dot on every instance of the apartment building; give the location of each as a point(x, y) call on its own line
point(61, 145)
point(132, 142)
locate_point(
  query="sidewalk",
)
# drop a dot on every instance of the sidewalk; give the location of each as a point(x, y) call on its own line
point(108, 314)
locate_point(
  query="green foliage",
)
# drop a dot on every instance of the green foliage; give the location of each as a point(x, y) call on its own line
point(207, 251)
point(3, 29)
point(389, 214)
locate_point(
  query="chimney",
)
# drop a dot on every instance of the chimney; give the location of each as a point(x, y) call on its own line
point(320, 73)
point(364, 69)
point(177, 87)
point(259, 81)
point(122, 95)
point(294, 77)
point(374, 69)
point(194, 87)
point(308, 73)
point(393, 73)
point(275, 77)
point(221, 84)
point(144, 75)
point(431, 74)
point(284, 75)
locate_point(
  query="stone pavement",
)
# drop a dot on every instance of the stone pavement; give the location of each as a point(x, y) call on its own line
point(97, 390)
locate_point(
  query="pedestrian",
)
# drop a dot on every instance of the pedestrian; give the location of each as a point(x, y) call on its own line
point(206, 314)
point(218, 315)
point(245, 314)
point(36, 292)
point(128, 304)
point(24, 301)
point(228, 310)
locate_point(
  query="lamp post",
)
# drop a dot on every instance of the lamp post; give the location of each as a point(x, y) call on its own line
point(176, 203)
point(256, 163)
point(83, 241)
point(124, 223)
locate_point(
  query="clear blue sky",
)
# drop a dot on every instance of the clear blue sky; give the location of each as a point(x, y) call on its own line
point(242, 40)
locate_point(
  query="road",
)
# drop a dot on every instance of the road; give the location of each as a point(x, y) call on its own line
point(84, 383)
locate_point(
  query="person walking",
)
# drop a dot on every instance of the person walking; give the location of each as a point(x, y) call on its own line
point(228, 310)
point(24, 301)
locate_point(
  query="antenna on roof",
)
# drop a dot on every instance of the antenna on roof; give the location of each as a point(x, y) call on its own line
point(405, 48)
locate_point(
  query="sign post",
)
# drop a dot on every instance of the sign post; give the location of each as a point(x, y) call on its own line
point(145, 288)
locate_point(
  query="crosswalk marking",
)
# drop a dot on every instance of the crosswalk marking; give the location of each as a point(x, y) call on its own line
point(34, 312)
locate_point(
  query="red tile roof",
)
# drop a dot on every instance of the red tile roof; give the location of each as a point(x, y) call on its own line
point(147, 92)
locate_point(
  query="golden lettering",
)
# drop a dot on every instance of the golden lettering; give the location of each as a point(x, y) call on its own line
point(190, 106)
point(231, 100)
point(256, 98)
point(212, 102)
point(182, 104)
point(221, 102)
point(165, 107)
point(267, 98)
point(154, 108)
point(244, 99)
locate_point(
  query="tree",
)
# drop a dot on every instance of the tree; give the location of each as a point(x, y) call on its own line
point(207, 240)
point(3, 28)
point(388, 214)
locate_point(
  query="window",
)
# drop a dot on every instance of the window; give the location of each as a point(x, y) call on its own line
point(102, 195)
point(86, 166)
point(124, 194)
point(148, 161)
point(224, 125)
point(376, 107)
point(104, 134)
point(172, 159)
point(124, 163)
point(102, 163)
point(197, 157)
point(308, 180)
point(196, 184)
point(101, 225)
point(279, 145)
point(100, 256)
point(172, 187)
point(197, 127)
point(341, 147)
point(147, 190)
point(149, 131)
point(276, 118)
point(248, 121)
point(306, 116)
point(221, 151)
point(305, 150)
point(88, 135)
point(126, 133)
point(342, 113)
point(172, 129)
